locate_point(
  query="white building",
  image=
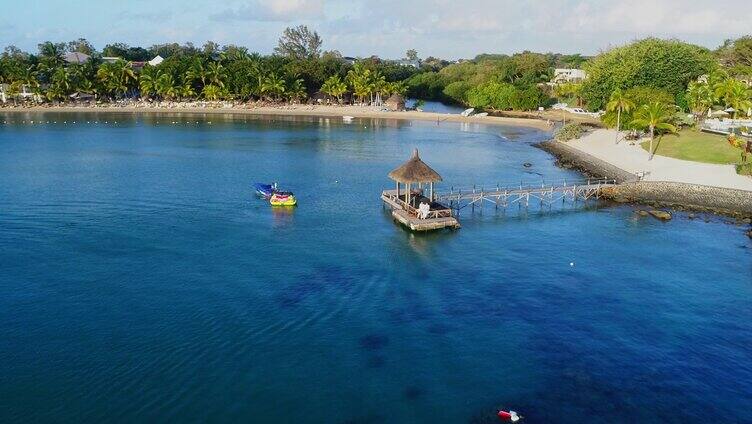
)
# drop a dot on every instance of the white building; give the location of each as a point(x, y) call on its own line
point(156, 61)
point(562, 75)
point(25, 93)
point(76, 57)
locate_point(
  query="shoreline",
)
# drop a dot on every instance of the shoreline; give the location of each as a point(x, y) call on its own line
point(660, 194)
point(299, 110)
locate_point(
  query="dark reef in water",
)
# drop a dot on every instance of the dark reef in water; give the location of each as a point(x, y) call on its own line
point(413, 392)
point(374, 342)
point(377, 361)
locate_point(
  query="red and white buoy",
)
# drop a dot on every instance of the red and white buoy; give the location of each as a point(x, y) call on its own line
point(509, 416)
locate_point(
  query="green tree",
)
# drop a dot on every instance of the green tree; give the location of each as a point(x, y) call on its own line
point(619, 103)
point(654, 116)
point(166, 87)
point(273, 85)
point(700, 98)
point(734, 94)
point(335, 87)
point(663, 64)
point(211, 92)
point(299, 43)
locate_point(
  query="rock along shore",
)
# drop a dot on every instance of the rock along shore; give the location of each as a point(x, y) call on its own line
point(726, 201)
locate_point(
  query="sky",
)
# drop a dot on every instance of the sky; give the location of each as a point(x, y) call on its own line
point(387, 28)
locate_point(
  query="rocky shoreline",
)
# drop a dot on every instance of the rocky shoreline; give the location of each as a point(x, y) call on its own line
point(680, 196)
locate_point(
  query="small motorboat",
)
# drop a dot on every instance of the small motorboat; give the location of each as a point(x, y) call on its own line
point(347, 118)
point(508, 416)
point(265, 190)
point(467, 112)
point(283, 198)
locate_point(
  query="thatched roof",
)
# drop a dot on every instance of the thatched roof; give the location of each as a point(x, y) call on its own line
point(415, 171)
point(395, 102)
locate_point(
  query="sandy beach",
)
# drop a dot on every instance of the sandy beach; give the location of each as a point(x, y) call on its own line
point(635, 159)
point(298, 110)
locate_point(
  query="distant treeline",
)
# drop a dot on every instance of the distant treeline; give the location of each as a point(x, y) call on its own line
point(299, 69)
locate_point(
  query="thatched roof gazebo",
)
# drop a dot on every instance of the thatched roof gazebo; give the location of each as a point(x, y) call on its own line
point(414, 171)
point(395, 102)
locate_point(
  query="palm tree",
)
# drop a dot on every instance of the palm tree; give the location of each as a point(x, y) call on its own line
point(166, 87)
point(360, 79)
point(274, 85)
point(654, 116)
point(619, 102)
point(215, 74)
point(701, 98)
point(212, 92)
point(335, 87)
point(296, 90)
point(186, 91)
point(734, 94)
point(147, 81)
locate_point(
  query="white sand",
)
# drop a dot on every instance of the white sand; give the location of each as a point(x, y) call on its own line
point(634, 159)
point(301, 110)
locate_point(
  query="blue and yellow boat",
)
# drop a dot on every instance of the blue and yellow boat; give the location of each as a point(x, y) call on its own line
point(283, 198)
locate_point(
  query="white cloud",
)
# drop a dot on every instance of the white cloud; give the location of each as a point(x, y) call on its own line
point(275, 11)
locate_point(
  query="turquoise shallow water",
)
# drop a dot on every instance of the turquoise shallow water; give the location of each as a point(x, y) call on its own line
point(141, 281)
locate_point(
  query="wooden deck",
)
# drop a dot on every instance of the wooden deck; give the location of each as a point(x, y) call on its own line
point(439, 217)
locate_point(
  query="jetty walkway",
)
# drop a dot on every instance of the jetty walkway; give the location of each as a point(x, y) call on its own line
point(522, 194)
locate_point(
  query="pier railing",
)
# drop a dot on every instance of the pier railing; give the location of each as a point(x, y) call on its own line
point(521, 193)
point(391, 197)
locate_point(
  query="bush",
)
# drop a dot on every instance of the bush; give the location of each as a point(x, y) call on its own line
point(426, 85)
point(457, 91)
point(663, 64)
point(569, 132)
point(503, 96)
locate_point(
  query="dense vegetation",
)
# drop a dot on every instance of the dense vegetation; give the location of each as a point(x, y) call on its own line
point(644, 72)
point(297, 70)
point(666, 65)
point(494, 81)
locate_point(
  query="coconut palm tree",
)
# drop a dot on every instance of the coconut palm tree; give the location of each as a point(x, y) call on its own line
point(654, 116)
point(360, 79)
point(335, 87)
point(147, 81)
point(619, 102)
point(215, 74)
point(166, 87)
point(296, 90)
point(733, 93)
point(212, 92)
point(274, 85)
point(186, 91)
point(700, 97)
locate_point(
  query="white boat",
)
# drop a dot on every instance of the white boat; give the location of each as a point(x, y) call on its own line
point(347, 118)
point(467, 112)
point(480, 115)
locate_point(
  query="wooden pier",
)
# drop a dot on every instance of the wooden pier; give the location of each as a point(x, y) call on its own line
point(438, 217)
point(411, 208)
point(523, 194)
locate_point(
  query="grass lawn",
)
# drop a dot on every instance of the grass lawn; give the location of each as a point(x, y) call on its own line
point(697, 146)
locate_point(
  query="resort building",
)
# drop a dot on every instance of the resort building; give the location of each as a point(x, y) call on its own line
point(156, 61)
point(76, 57)
point(407, 62)
point(563, 75)
point(24, 93)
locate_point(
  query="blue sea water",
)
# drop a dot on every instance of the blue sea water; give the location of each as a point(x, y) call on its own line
point(141, 281)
